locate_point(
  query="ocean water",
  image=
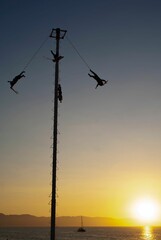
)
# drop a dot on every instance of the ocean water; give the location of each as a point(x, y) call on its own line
point(103, 233)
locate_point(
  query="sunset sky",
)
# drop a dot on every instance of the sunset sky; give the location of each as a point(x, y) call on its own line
point(109, 150)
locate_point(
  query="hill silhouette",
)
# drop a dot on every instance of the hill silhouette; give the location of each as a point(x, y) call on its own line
point(24, 220)
point(27, 220)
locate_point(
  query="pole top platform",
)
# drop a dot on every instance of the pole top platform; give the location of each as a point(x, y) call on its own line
point(61, 32)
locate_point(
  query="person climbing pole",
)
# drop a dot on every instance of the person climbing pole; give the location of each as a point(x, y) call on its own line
point(55, 57)
point(100, 82)
point(15, 80)
point(60, 96)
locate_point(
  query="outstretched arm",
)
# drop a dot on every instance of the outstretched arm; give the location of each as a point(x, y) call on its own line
point(22, 73)
point(96, 85)
point(90, 75)
point(14, 90)
point(92, 71)
point(54, 55)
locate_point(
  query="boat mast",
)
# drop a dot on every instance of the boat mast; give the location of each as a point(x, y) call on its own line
point(57, 34)
point(81, 222)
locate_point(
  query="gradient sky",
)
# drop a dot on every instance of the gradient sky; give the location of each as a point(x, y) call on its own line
point(109, 141)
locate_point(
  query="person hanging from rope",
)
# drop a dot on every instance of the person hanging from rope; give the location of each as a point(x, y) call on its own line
point(15, 80)
point(55, 57)
point(60, 96)
point(100, 82)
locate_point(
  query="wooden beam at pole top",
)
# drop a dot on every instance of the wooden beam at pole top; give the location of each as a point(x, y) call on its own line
point(62, 33)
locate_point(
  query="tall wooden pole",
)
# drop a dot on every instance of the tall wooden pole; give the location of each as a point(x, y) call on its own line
point(57, 36)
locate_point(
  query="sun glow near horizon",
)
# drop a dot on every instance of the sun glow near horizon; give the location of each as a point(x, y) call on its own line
point(145, 210)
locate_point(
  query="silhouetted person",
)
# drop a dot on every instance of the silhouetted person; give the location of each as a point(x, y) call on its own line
point(60, 96)
point(55, 57)
point(100, 82)
point(15, 80)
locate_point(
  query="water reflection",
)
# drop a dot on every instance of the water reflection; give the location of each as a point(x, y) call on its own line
point(147, 233)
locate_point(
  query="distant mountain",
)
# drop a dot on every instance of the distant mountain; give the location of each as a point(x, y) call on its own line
point(26, 220)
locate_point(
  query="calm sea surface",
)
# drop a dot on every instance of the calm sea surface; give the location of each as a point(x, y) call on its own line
point(104, 233)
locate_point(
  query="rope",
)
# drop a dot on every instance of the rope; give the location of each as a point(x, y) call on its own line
point(34, 55)
point(77, 52)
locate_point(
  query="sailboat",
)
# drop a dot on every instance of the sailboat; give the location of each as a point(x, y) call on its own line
point(81, 229)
